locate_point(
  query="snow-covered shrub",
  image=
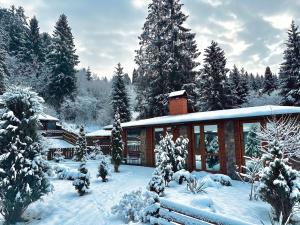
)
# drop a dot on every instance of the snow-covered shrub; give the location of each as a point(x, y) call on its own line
point(197, 186)
point(104, 167)
point(23, 178)
point(130, 206)
point(150, 206)
point(222, 179)
point(182, 175)
point(82, 183)
point(136, 206)
point(156, 184)
point(180, 153)
point(65, 173)
point(279, 183)
point(94, 153)
point(58, 156)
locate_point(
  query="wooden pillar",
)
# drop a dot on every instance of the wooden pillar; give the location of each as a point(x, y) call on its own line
point(191, 151)
point(222, 153)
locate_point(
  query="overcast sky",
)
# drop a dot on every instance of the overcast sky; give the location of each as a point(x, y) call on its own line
point(252, 32)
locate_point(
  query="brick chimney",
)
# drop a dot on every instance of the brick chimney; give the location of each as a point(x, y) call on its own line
point(178, 103)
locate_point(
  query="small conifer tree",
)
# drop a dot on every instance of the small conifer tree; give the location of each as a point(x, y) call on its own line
point(82, 183)
point(117, 143)
point(80, 151)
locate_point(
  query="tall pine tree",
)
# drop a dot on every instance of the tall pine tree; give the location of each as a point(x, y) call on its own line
point(214, 91)
point(290, 69)
point(120, 100)
point(62, 82)
point(3, 70)
point(166, 58)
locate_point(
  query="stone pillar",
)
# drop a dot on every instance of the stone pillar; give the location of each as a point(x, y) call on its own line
point(143, 146)
point(230, 148)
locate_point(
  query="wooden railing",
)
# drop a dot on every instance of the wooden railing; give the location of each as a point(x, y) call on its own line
point(171, 213)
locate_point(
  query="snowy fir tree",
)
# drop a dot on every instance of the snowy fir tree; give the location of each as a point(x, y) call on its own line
point(239, 86)
point(33, 41)
point(157, 183)
point(81, 149)
point(117, 143)
point(82, 183)
point(214, 91)
point(62, 81)
point(165, 152)
point(3, 70)
point(180, 153)
point(212, 148)
point(269, 82)
point(22, 176)
point(166, 58)
point(104, 167)
point(290, 69)
point(89, 74)
point(279, 183)
point(120, 100)
point(252, 146)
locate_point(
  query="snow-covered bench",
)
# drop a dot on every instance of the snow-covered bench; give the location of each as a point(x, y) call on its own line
point(171, 213)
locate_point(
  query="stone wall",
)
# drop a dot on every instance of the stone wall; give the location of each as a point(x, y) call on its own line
point(143, 146)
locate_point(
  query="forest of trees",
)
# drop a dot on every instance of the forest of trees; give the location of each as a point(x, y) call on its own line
point(167, 60)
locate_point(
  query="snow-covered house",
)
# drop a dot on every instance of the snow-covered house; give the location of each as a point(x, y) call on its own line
point(217, 138)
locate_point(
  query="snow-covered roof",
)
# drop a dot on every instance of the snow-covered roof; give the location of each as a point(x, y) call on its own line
point(99, 133)
point(58, 143)
point(44, 116)
point(266, 110)
point(176, 93)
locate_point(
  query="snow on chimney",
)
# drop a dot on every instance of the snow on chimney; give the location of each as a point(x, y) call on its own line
point(178, 103)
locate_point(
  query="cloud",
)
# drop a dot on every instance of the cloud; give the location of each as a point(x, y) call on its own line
point(281, 21)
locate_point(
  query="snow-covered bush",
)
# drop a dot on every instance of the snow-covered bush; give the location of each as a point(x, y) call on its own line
point(94, 153)
point(182, 175)
point(82, 183)
point(222, 179)
point(58, 156)
point(279, 183)
point(156, 184)
point(104, 167)
point(65, 173)
point(180, 153)
point(197, 186)
point(136, 206)
point(23, 178)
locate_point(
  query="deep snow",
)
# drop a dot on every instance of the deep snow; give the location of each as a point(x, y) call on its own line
point(64, 206)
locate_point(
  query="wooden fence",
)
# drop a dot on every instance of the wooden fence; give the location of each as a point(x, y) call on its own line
point(171, 213)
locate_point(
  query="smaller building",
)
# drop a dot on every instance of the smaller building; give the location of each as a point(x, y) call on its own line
point(101, 139)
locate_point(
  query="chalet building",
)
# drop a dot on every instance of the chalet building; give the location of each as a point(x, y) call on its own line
point(101, 139)
point(217, 139)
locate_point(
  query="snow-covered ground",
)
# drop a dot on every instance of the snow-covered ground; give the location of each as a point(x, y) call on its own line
point(64, 206)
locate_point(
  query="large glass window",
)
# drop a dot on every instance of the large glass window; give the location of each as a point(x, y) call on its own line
point(133, 146)
point(212, 157)
point(197, 147)
point(158, 134)
point(251, 142)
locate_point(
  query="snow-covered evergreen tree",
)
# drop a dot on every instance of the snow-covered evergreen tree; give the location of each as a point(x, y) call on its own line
point(215, 94)
point(180, 153)
point(81, 149)
point(290, 69)
point(166, 58)
point(269, 82)
point(58, 155)
point(117, 143)
point(89, 74)
point(279, 183)
point(3, 69)
point(157, 183)
point(252, 146)
point(212, 147)
point(104, 167)
point(62, 81)
point(82, 183)
point(120, 100)
point(22, 175)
